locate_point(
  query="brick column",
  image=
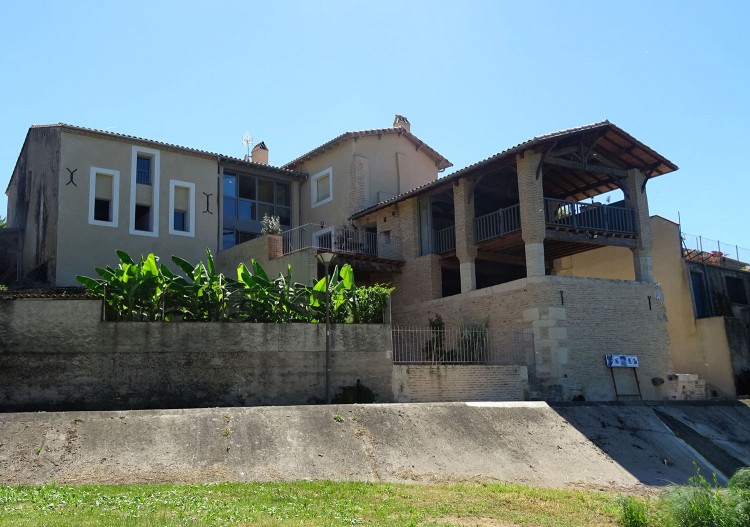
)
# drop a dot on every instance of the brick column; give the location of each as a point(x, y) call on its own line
point(466, 249)
point(638, 200)
point(531, 197)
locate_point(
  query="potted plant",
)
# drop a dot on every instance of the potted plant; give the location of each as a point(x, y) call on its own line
point(271, 228)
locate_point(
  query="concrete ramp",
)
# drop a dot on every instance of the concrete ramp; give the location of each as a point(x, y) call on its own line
point(529, 443)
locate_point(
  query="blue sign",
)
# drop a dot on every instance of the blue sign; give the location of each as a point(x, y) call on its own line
point(621, 361)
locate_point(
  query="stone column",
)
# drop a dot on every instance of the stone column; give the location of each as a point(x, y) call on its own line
point(466, 249)
point(638, 200)
point(531, 197)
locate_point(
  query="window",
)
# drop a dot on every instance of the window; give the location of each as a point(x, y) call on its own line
point(103, 210)
point(181, 208)
point(143, 170)
point(322, 187)
point(233, 237)
point(104, 197)
point(736, 290)
point(144, 192)
point(247, 199)
point(143, 218)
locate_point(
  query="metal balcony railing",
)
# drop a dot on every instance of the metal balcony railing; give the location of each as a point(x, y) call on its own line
point(445, 240)
point(343, 241)
point(577, 216)
point(498, 223)
point(143, 177)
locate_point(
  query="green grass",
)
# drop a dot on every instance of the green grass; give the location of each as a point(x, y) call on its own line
point(304, 503)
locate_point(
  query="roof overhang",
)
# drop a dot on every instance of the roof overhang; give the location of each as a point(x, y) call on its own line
point(577, 163)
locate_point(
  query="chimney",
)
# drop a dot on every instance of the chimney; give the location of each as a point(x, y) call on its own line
point(260, 153)
point(402, 122)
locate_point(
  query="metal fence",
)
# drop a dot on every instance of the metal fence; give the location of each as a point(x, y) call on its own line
point(342, 240)
point(716, 252)
point(445, 240)
point(497, 223)
point(462, 345)
point(589, 216)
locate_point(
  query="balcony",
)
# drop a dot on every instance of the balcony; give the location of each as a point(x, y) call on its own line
point(571, 221)
point(357, 243)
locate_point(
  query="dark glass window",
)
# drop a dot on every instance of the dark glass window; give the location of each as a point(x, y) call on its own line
point(102, 210)
point(265, 191)
point(180, 221)
point(736, 290)
point(227, 239)
point(230, 184)
point(282, 195)
point(142, 218)
point(245, 211)
point(247, 187)
point(143, 170)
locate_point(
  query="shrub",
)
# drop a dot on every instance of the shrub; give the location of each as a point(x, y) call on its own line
point(704, 504)
point(740, 480)
point(270, 225)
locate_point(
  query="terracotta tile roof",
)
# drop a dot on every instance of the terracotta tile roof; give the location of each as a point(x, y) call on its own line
point(665, 165)
point(57, 293)
point(441, 162)
point(162, 144)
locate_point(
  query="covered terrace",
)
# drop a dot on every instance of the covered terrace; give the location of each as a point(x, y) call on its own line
point(513, 214)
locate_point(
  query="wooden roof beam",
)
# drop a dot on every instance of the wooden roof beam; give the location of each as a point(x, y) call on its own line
point(593, 169)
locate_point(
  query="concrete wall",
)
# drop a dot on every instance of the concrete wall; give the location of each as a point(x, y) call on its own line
point(82, 246)
point(304, 264)
point(419, 383)
point(361, 169)
point(33, 201)
point(696, 345)
point(57, 354)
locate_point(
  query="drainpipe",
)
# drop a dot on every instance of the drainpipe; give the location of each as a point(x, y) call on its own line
point(299, 200)
point(219, 218)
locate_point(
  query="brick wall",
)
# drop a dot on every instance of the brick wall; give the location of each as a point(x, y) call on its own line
point(572, 331)
point(424, 383)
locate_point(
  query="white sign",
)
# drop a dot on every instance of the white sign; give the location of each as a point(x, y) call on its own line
point(621, 361)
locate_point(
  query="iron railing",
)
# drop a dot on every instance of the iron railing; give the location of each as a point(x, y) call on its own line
point(462, 345)
point(445, 240)
point(143, 177)
point(705, 250)
point(342, 240)
point(574, 215)
point(497, 223)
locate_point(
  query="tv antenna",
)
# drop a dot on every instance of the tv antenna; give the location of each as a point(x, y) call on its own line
point(247, 140)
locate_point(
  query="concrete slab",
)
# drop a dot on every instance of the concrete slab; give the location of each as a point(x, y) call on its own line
point(600, 446)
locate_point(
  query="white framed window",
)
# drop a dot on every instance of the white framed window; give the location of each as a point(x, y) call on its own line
point(144, 191)
point(181, 208)
point(104, 197)
point(321, 185)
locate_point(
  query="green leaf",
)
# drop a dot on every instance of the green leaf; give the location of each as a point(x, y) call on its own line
point(184, 265)
point(125, 257)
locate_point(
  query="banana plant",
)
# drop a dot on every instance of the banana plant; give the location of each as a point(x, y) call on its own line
point(340, 286)
point(132, 290)
point(203, 294)
point(264, 300)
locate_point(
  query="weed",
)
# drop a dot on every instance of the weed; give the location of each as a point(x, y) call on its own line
point(633, 513)
point(226, 431)
point(338, 418)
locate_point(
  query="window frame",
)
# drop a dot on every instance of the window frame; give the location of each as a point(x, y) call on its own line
point(115, 204)
point(140, 151)
point(314, 199)
point(189, 214)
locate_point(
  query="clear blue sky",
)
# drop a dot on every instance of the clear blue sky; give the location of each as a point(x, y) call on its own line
point(472, 77)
